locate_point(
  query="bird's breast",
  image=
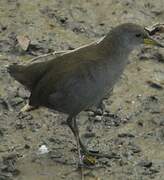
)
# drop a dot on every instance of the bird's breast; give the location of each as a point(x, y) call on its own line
point(87, 87)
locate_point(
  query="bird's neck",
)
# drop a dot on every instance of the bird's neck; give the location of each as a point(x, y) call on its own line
point(112, 47)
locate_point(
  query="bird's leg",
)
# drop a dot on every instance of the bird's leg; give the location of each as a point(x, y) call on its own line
point(80, 146)
point(73, 126)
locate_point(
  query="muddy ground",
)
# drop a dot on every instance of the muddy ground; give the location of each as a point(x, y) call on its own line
point(132, 128)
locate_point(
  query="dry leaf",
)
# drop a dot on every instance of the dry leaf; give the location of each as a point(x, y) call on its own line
point(23, 41)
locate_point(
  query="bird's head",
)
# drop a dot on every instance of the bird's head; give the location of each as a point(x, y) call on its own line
point(131, 35)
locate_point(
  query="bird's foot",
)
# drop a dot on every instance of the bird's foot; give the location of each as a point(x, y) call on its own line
point(88, 160)
point(90, 156)
point(27, 108)
point(97, 154)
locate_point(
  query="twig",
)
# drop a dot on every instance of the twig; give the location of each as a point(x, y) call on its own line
point(65, 51)
point(48, 54)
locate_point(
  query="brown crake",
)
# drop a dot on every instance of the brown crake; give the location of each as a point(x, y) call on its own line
point(80, 79)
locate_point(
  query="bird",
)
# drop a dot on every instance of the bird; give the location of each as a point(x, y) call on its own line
point(81, 78)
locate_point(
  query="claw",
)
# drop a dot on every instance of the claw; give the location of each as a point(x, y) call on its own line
point(89, 160)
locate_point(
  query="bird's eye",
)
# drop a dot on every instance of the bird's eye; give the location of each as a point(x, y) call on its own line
point(138, 35)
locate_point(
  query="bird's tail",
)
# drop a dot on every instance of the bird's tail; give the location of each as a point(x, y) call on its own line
point(30, 74)
point(16, 71)
point(23, 74)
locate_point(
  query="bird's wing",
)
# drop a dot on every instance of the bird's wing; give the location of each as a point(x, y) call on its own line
point(30, 74)
point(63, 72)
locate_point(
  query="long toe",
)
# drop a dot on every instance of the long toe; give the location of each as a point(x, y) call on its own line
point(96, 154)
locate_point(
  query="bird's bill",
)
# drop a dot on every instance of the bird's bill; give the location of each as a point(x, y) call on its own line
point(150, 41)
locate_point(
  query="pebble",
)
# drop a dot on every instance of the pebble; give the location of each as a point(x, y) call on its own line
point(1, 132)
point(99, 112)
point(20, 125)
point(126, 135)
point(145, 163)
point(5, 176)
point(105, 161)
point(7, 165)
point(161, 122)
point(140, 123)
point(16, 101)
point(89, 135)
point(91, 113)
point(98, 118)
point(155, 85)
point(4, 104)
point(159, 57)
point(134, 148)
point(26, 146)
point(22, 93)
point(43, 149)
point(25, 116)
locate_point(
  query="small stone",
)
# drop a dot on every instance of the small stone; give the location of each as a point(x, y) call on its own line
point(98, 118)
point(155, 85)
point(55, 154)
point(122, 162)
point(133, 102)
point(134, 148)
point(154, 170)
point(43, 149)
point(140, 123)
point(1, 132)
point(4, 104)
point(26, 146)
point(145, 163)
point(22, 93)
point(106, 113)
point(16, 101)
point(11, 156)
point(105, 161)
point(20, 125)
point(89, 135)
point(25, 116)
point(91, 113)
point(161, 123)
point(99, 112)
point(126, 135)
point(63, 20)
point(5, 176)
point(23, 41)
